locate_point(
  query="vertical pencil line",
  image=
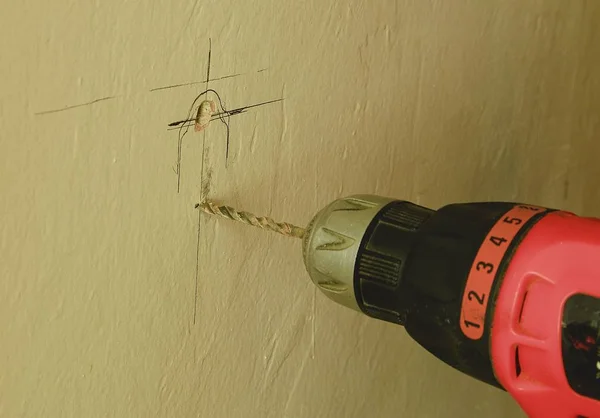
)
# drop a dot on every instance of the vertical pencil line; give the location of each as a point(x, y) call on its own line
point(201, 194)
point(197, 269)
point(314, 318)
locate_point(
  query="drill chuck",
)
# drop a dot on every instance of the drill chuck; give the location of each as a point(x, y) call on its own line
point(332, 242)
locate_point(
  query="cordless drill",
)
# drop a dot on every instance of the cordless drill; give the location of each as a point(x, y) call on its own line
point(504, 292)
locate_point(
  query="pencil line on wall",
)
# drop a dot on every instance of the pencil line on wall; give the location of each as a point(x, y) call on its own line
point(102, 99)
point(227, 113)
point(314, 318)
point(197, 269)
point(202, 197)
point(193, 83)
point(183, 127)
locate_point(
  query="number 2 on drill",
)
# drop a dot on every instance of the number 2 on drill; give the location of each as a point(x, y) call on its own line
point(473, 295)
point(480, 300)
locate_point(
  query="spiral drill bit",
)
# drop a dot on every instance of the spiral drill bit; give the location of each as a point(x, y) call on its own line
point(248, 218)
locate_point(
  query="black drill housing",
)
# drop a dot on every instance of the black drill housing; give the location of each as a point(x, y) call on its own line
point(412, 267)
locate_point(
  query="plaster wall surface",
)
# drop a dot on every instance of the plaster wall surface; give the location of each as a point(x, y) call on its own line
point(431, 101)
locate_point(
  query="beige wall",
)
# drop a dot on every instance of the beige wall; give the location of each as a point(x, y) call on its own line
point(433, 101)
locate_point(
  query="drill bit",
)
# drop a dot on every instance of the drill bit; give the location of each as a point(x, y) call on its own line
point(248, 218)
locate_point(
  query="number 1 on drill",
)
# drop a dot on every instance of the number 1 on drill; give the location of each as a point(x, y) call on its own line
point(471, 324)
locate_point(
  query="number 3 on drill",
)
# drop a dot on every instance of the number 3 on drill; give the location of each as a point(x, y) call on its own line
point(485, 267)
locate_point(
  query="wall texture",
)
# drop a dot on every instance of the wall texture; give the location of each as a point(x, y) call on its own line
point(431, 101)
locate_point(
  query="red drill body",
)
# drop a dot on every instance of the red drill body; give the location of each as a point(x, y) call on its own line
point(545, 345)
